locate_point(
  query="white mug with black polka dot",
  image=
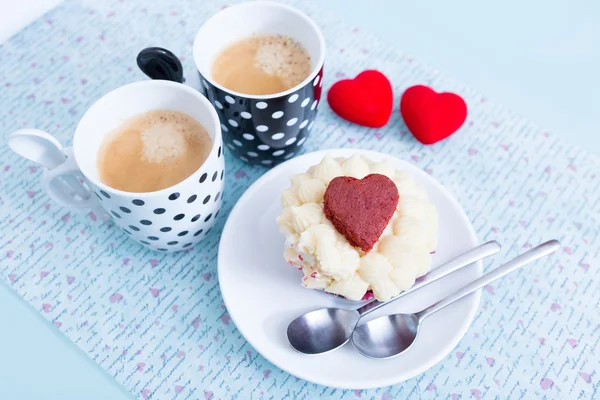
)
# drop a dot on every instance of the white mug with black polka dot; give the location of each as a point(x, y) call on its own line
point(258, 129)
point(166, 220)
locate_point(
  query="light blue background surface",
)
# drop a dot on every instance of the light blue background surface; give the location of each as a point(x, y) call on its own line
point(540, 58)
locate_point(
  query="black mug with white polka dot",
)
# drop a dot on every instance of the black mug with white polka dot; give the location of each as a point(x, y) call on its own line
point(258, 129)
point(170, 219)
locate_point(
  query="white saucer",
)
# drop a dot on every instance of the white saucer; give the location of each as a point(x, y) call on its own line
point(263, 293)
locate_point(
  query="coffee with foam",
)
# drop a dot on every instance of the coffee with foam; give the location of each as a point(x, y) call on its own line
point(153, 151)
point(262, 65)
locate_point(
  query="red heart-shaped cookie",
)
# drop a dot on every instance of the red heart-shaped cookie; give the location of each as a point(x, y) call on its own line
point(360, 209)
point(432, 116)
point(365, 100)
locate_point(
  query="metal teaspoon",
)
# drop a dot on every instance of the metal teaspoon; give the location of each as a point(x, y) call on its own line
point(327, 329)
point(391, 335)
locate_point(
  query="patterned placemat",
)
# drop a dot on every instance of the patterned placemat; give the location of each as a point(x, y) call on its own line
point(157, 322)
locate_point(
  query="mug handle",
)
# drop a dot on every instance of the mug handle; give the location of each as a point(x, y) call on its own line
point(62, 190)
point(159, 63)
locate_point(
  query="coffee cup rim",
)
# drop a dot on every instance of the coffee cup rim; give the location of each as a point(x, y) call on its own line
point(236, 8)
point(77, 137)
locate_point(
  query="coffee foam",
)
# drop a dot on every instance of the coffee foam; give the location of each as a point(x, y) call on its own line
point(166, 137)
point(284, 57)
point(161, 143)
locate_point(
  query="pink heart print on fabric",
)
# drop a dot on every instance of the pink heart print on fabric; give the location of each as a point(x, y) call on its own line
point(586, 377)
point(546, 383)
point(115, 298)
point(65, 218)
point(476, 393)
point(196, 322)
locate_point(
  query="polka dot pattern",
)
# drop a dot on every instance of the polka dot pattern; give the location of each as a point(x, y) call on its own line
point(254, 130)
point(166, 220)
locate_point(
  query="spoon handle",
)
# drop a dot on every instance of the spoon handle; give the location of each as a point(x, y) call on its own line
point(514, 264)
point(471, 256)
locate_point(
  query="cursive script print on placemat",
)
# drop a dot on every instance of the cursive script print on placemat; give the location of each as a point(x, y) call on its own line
point(157, 323)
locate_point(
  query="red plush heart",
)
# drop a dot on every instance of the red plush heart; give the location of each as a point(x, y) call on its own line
point(432, 116)
point(365, 100)
point(360, 209)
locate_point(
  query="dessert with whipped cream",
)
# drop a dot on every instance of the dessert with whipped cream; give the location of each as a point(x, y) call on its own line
point(353, 226)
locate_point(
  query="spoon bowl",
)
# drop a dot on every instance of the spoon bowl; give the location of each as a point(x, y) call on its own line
point(322, 330)
point(386, 337)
